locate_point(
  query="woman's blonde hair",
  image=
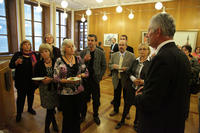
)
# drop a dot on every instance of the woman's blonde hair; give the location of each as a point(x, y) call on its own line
point(23, 42)
point(45, 46)
point(48, 34)
point(64, 44)
point(146, 46)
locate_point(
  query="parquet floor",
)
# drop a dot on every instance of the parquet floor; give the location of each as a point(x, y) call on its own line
point(35, 124)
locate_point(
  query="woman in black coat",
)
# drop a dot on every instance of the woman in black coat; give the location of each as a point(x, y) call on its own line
point(137, 74)
point(23, 62)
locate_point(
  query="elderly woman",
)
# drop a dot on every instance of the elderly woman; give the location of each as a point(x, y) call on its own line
point(50, 40)
point(194, 76)
point(48, 91)
point(68, 72)
point(137, 74)
point(196, 53)
point(23, 62)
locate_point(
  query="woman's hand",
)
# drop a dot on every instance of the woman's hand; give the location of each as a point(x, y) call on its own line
point(18, 61)
point(69, 81)
point(47, 80)
point(82, 75)
point(136, 82)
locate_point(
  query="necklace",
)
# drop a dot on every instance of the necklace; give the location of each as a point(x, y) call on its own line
point(48, 61)
point(70, 60)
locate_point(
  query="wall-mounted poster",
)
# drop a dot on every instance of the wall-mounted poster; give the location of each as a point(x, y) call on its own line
point(181, 38)
point(108, 37)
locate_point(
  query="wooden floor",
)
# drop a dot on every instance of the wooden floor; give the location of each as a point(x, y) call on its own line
point(35, 124)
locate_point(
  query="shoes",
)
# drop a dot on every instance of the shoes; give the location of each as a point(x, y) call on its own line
point(55, 127)
point(128, 116)
point(31, 111)
point(112, 102)
point(82, 119)
point(97, 120)
point(113, 113)
point(18, 118)
point(119, 125)
point(135, 127)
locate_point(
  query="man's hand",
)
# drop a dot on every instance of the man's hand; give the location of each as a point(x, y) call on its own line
point(138, 92)
point(87, 57)
point(115, 66)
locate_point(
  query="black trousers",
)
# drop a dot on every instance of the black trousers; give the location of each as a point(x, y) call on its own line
point(70, 105)
point(21, 96)
point(50, 118)
point(91, 88)
point(117, 96)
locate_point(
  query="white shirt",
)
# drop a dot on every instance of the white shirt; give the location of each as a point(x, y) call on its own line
point(161, 45)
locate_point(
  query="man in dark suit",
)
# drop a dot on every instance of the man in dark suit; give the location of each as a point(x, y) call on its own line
point(129, 48)
point(161, 102)
point(96, 63)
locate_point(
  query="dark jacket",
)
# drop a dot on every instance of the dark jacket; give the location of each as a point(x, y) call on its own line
point(115, 49)
point(56, 53)
point(23, 72)
point(161, 105)
point(130, 49)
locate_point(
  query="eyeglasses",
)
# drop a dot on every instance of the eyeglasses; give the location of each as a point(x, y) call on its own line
point(142, 49)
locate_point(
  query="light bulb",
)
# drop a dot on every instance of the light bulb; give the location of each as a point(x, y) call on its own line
point(119, 9)
point(64, 4)
point(99, 1)
point(88, 12)
point(1, 1)
point(158, 5)
point(38, 8)
point(65, 15)
point(104, 17)
point(0, 27)
point(83, 18)
point(131, 16)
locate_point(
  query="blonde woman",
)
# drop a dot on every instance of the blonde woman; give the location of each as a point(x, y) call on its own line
point(68, 72)
point(137, 74)
point(47, 87)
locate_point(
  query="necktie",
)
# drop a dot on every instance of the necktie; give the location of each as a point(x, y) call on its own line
point(120, 65)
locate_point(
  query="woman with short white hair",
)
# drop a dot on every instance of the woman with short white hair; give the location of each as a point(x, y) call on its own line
point(68, 72)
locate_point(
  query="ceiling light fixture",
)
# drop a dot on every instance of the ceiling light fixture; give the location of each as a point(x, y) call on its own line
point(163, 11)
point(119, 9)
point(104, 17)
point(131, 15)
point(65, 14)
point(83, 18)
point(1, 1)
point(0, 27)
point(64, 4)
point(88, 12)
point(38, 8)
point(158, 5)
point(99, 1)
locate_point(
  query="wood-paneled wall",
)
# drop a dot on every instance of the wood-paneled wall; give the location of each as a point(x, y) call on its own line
point(185, 12)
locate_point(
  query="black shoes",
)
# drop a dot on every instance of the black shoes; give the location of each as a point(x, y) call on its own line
point(82, 119)
point(18, 118)
point(119, 125)
point(97, 120)
point(31, 111)
point(113, 113)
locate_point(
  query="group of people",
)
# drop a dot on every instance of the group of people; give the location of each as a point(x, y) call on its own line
point(158, 85)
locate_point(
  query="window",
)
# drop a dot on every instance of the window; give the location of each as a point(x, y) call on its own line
point(82, 35)
point(3, 29)
point(61, 27)
point(33, 25)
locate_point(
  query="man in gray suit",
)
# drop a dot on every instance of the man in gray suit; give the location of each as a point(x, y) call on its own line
point(96, 63)
point(119, 63)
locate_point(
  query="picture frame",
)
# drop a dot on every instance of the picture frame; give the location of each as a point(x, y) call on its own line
point(181, 37)
point(108, 37)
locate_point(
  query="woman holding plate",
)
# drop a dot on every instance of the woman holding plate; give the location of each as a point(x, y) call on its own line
point(68, 71)
point(48, 91)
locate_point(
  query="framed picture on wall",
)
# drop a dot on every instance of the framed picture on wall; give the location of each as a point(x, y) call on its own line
point(108, 37)
point(181, 37)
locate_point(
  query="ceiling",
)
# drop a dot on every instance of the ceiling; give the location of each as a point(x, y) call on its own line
point(92, 4)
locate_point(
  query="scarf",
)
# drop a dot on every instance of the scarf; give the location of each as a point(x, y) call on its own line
point(32, 56)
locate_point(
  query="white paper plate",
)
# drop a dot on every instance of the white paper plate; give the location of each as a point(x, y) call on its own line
point(38, 78)
point(74, 79)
